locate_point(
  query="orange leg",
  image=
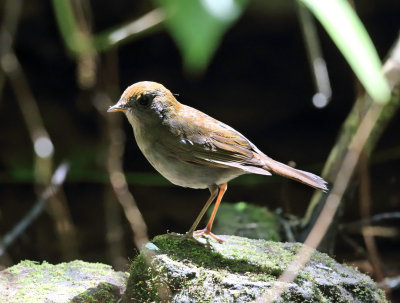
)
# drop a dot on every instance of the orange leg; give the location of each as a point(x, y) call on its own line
point(207, 230)
point(214, 192)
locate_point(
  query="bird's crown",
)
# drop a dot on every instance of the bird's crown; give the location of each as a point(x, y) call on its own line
point(146, 94)
point(147, 90)
point(144, 87)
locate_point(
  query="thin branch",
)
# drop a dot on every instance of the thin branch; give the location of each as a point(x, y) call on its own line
point(42, 144)
point(328, 212)
point(113, 219)
point(124, 33)
point(116, 175)
point(391, 70)
point(316, 60)
point(78, 43)
point(379, 231)
point(341, 182)
point(8, 28)
point(365, 210)
point(30, 111)
point(57, 180)
point(371, 220)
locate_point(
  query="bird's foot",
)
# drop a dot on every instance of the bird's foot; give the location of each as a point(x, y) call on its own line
point(206, 231)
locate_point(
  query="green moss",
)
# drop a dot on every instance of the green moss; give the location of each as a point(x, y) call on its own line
point(23, 265)
point(30, 281)
point(142, 282)
point(364, 292)
point(102, 293)
point(238, 256)
point(200, 272)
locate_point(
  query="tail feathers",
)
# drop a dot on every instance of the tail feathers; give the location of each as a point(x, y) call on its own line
point(296, 174)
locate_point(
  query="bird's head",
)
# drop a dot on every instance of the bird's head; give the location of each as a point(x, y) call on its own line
point(146, 102)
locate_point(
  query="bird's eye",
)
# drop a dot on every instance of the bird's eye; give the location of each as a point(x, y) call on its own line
point(144, 100)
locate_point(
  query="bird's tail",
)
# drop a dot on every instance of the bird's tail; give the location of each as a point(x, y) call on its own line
point(296, 174)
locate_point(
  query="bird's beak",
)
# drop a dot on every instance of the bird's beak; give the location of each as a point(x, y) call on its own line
point(117, 108)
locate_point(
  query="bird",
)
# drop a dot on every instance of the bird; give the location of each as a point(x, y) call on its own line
point(192, 149)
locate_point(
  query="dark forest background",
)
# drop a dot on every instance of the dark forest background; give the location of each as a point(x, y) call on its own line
point(258, 82)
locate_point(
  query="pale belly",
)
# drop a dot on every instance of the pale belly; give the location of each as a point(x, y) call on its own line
point(182, 173)
point(190, 175)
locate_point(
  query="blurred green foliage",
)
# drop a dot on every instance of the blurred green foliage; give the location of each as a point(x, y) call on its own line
point(350, 36)
point(198, 27)
point(247, 220)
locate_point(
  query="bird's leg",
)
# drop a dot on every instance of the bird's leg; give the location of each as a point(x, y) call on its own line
point(214, 192)
point(207, 230)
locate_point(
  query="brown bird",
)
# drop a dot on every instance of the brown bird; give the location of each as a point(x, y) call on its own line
point(192, 149)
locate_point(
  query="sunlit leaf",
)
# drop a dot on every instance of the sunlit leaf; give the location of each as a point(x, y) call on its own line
point(350, 36)
point(197, 26)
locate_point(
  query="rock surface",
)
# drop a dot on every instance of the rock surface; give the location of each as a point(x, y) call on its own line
point(75, 281)
point(239, 270)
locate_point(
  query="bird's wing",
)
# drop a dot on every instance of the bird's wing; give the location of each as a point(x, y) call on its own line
point(222, 146)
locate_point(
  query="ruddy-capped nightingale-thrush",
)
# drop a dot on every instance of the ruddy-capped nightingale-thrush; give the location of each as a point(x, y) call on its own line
point(191, 149)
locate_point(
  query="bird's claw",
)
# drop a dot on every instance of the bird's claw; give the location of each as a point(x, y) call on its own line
point(205, 231)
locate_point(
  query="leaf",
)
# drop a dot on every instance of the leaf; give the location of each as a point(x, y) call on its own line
point(351, 37)
point(197, 26)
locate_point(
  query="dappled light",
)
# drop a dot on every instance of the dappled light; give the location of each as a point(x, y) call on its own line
point(125, 123)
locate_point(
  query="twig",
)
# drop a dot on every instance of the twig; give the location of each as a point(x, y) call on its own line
point(379, 231)
point(57, 180)
point(315, 58)
point(341, 181)
point(124, 33)
point(116, 175)
point(78, 43)
point(12, 12)
point(113, 219)
point(120, 187)
point(391, 70)
point(328, 212)
point(42, 145)
point(365, 210)
point(368, 221)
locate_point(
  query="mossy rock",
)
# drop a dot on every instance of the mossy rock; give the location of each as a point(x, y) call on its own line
point(239, 270)
point(76, 281)
point(247, 220)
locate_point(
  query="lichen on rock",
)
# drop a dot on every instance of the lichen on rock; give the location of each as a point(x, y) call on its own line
point(75, 281)
point(176, 269)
